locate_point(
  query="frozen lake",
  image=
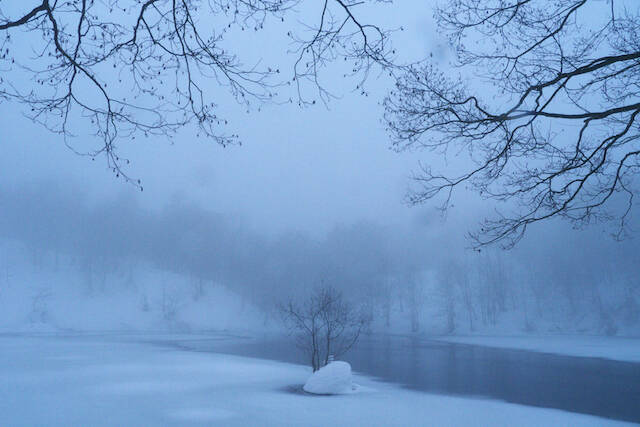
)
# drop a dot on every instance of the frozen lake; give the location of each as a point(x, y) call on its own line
point(601, 387)
point(151, 379)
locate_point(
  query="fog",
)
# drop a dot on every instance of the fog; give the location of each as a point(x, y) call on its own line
point(420, 277)
point(313, 196)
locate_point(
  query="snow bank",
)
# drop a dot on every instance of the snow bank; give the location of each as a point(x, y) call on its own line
point(61, 296)
point(334, 378)
point(614, 348)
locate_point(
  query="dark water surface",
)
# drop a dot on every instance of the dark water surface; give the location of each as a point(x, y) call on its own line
point(600, 387)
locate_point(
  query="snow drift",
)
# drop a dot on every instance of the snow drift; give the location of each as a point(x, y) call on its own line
point(334, 378)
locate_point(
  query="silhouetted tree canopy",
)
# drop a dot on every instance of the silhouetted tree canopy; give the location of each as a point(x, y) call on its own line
point(546, 104)
point(126, 68)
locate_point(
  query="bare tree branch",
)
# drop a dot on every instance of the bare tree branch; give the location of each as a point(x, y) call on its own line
point(550, 121)
point(125, 69)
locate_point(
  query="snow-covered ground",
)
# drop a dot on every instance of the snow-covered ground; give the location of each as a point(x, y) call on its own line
point(614, 348)
point(98, 381)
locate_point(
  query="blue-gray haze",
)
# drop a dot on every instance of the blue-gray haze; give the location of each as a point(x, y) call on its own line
point(312, 196)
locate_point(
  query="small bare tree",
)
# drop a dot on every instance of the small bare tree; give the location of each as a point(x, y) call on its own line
point(325, 325)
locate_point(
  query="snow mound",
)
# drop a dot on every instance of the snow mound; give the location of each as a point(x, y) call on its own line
point(334, 378)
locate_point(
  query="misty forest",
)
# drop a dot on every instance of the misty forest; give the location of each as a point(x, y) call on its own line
point(332, 212)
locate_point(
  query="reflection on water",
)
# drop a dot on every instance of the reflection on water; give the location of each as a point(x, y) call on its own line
point(599, 387)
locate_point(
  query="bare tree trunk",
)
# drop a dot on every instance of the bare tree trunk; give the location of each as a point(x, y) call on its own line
point(468, 301)
point(414, 306)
